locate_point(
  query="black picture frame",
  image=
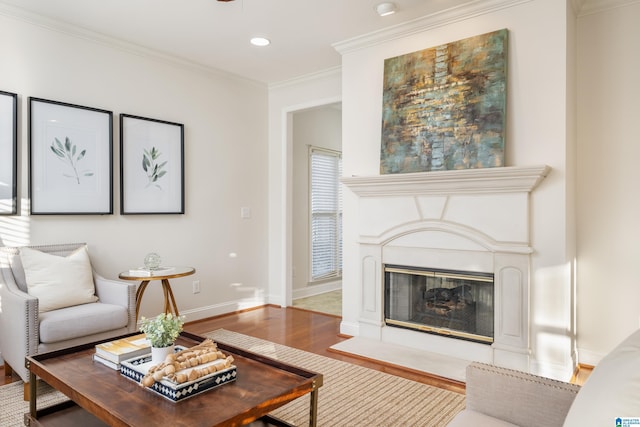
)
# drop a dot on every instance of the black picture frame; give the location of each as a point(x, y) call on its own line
point(70, 159)
point(8, 153)
point(151, 166)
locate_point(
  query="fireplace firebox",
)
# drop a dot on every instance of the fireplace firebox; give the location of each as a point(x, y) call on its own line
point(457, 304)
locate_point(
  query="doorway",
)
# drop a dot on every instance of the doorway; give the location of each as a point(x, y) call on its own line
point(318, 127)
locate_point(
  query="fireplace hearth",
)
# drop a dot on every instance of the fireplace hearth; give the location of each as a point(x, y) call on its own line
point(456, 304)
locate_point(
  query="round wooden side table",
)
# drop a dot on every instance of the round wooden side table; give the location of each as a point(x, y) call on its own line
point(163, 274)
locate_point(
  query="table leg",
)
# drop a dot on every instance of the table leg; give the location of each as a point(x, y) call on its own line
point(169, 299)
point(33, 387)
point(139, 293)
point(166, 297)
point(313, 410)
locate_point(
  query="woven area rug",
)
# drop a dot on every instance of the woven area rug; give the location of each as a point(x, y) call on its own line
point(14, 407)
point(352, 396)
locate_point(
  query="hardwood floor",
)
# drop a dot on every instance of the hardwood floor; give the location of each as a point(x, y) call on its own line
point(309, 331)
point(298, 328)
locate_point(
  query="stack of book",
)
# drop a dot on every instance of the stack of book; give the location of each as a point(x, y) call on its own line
point(112, 353)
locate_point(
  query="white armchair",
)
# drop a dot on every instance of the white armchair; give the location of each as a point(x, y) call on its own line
point(25, 331)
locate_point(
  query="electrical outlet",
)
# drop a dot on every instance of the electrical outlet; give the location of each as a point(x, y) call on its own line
point(196, 286)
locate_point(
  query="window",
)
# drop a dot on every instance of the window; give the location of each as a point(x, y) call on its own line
point(326, 214)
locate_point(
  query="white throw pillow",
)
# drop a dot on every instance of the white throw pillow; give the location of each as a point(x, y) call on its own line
point(612, 390)
point(58, 281)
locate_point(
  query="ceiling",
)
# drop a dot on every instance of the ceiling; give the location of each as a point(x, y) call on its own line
point(216, 34)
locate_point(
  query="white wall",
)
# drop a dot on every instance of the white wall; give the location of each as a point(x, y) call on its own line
point(225, 121)
point(537, 134)
point(317, 127)
point(608, 204)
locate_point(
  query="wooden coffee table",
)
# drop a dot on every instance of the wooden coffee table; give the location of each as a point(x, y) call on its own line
point(102, 396)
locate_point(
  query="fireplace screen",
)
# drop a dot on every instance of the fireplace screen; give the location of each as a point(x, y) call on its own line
point(451, 303)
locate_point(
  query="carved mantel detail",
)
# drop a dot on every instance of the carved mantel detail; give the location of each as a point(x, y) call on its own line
point(511, 179)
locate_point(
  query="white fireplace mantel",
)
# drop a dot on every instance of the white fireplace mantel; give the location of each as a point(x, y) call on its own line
point(511, 179)
point(466, 220)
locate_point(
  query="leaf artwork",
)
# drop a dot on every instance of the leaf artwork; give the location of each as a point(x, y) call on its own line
point(152, 168)
point(68, 154)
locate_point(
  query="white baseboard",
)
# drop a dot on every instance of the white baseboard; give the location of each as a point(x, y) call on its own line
point(350, 328)
point(588, 357)
point(552, 370)
point(200, 313)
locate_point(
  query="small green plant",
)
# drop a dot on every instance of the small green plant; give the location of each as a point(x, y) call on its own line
point(152, 168)
point(68, 153)
point(163, 329)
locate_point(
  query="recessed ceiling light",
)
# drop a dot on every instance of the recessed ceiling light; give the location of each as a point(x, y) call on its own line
point(385, 9)
point(260, 41)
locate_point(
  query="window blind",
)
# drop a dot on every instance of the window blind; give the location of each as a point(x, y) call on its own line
point(326, 214)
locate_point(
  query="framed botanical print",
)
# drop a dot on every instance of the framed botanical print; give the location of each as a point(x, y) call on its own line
point(70, 158)
point(8, 153)
point(151, 166)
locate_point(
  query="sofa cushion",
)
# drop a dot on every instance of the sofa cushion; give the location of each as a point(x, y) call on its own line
point(62, 324)
point(612, 390)
point(58, 281)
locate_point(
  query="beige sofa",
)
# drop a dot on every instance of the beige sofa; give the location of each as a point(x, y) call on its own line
point(499, 397)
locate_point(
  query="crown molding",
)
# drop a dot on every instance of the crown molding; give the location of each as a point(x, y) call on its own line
point(448, 16)
point(326, 73)
point(589, 7)
point(29, 17)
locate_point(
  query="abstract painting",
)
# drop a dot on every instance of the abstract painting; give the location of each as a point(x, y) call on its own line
point(444, 107)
